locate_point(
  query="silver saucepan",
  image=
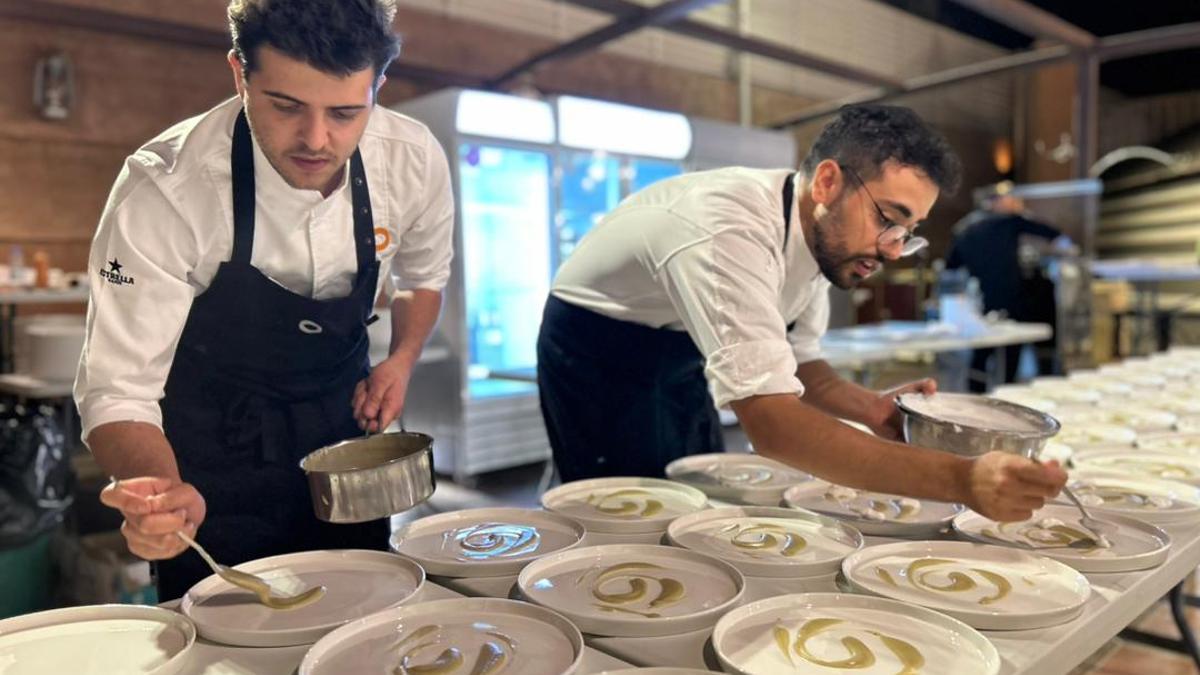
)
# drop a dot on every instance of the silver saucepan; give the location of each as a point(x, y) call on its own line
point(371, 477)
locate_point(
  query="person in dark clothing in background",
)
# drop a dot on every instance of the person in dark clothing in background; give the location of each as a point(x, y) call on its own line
point(1000, 246)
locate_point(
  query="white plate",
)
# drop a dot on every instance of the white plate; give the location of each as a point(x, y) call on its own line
point(1058, 452)
point(1175, 443)
point(840, 502)
point(634, 590)
point(491, 542)
point(762, 638)
point(531, 639)
point(1027, 398)
point(357, 583)
point(741, 477)
point(96, 640)
point(624, 505)
point(1153, 500)
point(1136, 545)
point(1040, 592)
point(1140, 419)
point(1063, 393)
point(656, 671)
point(1171, 401)
point(1143, 463)
point(1085, 436)
point(764, 541)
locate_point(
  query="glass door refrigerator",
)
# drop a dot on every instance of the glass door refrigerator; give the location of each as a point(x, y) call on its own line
point(480, 402)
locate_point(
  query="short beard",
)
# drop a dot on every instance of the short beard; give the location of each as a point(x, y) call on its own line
point(826, 249)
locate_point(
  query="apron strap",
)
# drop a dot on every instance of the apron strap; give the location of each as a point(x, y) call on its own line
point(789, 188)
point(364, 224)
point(242, 164)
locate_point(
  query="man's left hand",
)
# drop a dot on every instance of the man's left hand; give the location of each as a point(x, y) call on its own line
point(884, 418)
point(379, 399)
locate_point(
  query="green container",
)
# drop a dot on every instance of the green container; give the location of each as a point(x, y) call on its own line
point(25, 578)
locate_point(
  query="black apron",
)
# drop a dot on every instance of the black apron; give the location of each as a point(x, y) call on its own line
point(621, 398)
point(261, 377)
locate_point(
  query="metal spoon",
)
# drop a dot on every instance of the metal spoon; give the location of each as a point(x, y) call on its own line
point(256, 585)
point(1088, 522)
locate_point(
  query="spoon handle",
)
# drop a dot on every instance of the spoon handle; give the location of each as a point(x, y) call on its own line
point(199, 549)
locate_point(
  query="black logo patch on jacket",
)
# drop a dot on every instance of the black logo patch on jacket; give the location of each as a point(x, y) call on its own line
point(113, 274)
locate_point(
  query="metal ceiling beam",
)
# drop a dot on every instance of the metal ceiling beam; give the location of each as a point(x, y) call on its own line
point(1113, 47)
point(1137, 43)
point(1030, 20)
point(645, 17)
point(116, 23)
point(945, 78)
point(732, 40)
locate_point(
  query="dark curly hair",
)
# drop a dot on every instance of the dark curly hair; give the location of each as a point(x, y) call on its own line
point(865, 137)
point(338, 37)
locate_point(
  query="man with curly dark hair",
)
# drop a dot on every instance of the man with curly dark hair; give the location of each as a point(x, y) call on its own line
point(237, 264)
point(712, 288)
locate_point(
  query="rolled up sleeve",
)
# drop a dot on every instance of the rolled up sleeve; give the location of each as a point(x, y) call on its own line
point(139, 301)
point(427, 245)
point(725, 287)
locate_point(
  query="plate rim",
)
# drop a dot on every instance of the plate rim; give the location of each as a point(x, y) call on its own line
point(286, 637)
point(1132, 563)
point(977, 619)
point(394, 614)
point(767, 570)
point(722, 491)
point(613, 525)
point(851, 600)
point(489, 568)
point(636, 627)
point(883, 528)
point(22, 622)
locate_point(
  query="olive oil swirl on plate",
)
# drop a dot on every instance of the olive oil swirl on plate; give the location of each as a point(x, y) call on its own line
point(859, 655)
point(919, 573)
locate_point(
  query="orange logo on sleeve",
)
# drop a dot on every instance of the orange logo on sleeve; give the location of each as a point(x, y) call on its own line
point(383, 239)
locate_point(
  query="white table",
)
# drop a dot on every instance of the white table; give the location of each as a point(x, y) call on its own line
point(210, 658)
point(842, 347)
point(1117, 600)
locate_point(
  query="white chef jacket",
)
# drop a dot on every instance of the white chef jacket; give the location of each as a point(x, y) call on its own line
point(704, 252)
point(168, 225)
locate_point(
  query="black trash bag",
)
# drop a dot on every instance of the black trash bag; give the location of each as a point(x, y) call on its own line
point(36, 481)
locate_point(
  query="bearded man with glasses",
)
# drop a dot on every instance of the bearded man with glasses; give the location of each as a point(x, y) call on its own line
point(712, 288)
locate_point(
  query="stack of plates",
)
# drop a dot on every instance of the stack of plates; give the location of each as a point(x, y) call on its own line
point(1135, 545)
point(624, 510)
point(831, 632)
point(629, 590)
point(744, 478)
point(1149, 499)
point(357, 583)
point(464, 635)
point(873, 512)
point(1140, 463)
point(988, 587)
point(491, 542)
point(96, 640)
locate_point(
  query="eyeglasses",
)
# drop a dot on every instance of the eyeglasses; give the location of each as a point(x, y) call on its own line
point(892, 233)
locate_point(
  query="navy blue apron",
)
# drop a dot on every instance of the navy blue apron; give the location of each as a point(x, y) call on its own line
point(261, 377)
point(621, 398)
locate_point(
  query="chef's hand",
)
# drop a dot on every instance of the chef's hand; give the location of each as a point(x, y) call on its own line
point(884, 418)
point(1007, 487)
point(155, 509)
point(379, 399)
